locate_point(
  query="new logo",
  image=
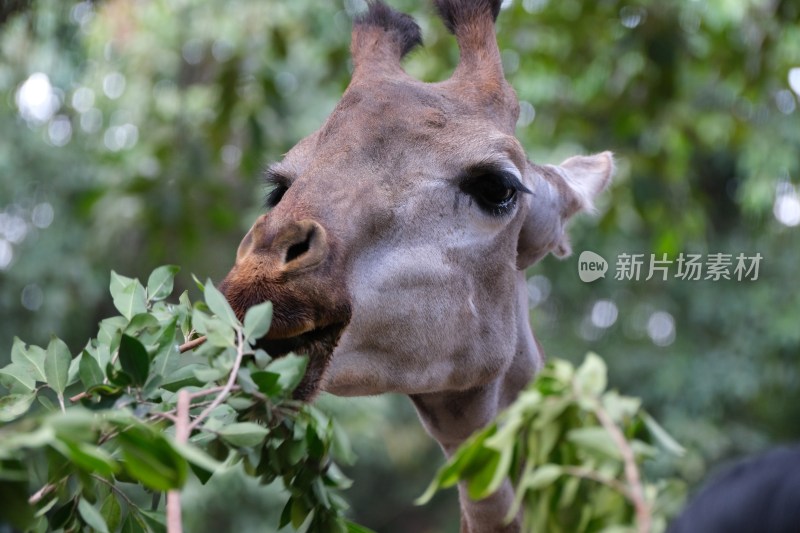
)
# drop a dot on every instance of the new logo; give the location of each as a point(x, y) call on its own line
point(591, 266)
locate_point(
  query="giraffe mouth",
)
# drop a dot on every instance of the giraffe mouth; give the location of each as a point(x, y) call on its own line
point(308, 319)
point(317, 344)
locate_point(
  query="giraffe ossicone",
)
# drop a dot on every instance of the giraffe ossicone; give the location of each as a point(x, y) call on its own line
point(395, 247)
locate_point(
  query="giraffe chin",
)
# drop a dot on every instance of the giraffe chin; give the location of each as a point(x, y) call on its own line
point(318, 345)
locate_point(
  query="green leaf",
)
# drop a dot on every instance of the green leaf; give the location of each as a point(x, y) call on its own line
point(30, 358)
point(109, 331)
point(299, 512)
point(166, 358)
point(56, 365)
point(111, 512)
point(568, 492)
point(594, 440)
point(74, 424)
point(90, 371)
point(449, 474)
point(591, 377)
point(218, 332)
point(208, 375)
point(73, 371)
point(244, 434)
point(144, 327)
point(44, 509)
point(197, 457)
point(12, 442)
point(220, 306)
point(291, 369)
point(261, 358)
point(199, 283)
point(134, 524)
point(118, 377)
point(548, 437)
point(544, 476)
point(661, 436)
point(286, 514)
point(134, 359)
point(87, 457)
point(149, 458)
point(92, 516)
point(503, 442)
point(267, 382)
point(13, 406)
point(183, 377)
point(160, 282)
point(257, 321)
point(155, 521)
point(482, 472)
point(19, 376)
point(128, 295)
point(620, 408)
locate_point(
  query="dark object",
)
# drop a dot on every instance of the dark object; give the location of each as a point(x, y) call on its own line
point(758, 495)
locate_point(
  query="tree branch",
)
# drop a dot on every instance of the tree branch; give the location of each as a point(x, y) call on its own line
point(182, 432)
point(192, 344)
point(635, 492)
point(228, 386)
point(37, 496)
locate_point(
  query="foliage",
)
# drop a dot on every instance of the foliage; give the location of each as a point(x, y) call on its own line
point(136, 417)
point(572, 449)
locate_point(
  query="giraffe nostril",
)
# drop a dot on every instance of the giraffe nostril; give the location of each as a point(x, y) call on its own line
point(304, 245)
point(300, 248)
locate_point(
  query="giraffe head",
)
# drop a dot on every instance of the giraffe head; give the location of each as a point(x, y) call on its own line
point(396, 232)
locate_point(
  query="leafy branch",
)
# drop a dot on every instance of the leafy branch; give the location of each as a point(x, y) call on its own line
point(563, 431)
point(142, 406)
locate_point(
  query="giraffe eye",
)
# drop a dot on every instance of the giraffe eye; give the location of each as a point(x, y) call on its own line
point(495, 193)
point(275, 195)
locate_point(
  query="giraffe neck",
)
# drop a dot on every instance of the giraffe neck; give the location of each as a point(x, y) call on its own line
point(451, 417)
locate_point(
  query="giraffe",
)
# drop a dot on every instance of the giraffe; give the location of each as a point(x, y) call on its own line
point(397, 236)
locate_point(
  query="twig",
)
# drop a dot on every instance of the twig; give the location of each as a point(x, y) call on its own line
point(206, 392)
point(78, 397)
point(182, 431)
point(168, 416)
point(192, 344)
point(228, 386)
point(37, 496)
point(119, 492)
point(635, 491)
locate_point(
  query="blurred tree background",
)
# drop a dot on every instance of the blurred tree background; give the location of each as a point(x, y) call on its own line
point(133, 133)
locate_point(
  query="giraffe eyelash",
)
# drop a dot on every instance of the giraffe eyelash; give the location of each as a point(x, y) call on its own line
point(277, 185)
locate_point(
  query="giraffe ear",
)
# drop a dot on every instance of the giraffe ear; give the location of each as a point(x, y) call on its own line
point(560, 192)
